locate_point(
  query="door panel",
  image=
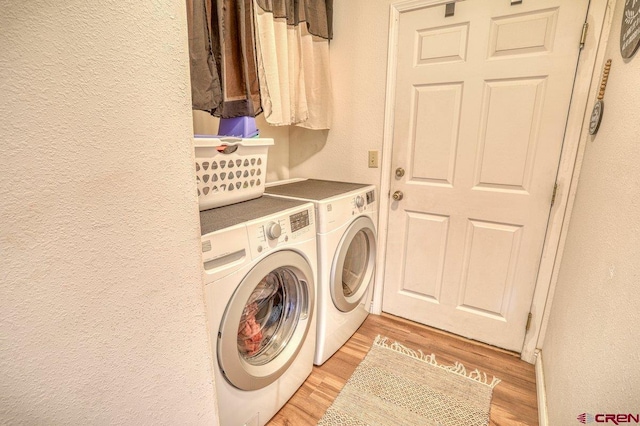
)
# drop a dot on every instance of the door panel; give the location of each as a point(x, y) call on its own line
point(506, 148)
point(480, 110)
point(491, 253)
point(443, 44)
point(426, 242)
point(436, 120)
point(525, 33)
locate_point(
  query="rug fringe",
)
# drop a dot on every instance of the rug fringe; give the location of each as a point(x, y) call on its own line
point(457, 368)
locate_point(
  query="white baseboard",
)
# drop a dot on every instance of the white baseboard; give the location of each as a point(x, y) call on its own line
point(543, 418)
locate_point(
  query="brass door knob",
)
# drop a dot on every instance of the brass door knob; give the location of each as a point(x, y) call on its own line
point(399, 172)
point(398, 195)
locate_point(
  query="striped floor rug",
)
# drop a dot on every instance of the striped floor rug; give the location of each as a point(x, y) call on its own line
point(395, 385)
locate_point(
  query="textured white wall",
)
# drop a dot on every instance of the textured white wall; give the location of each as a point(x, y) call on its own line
point(592, 347)
point(101, 300)
point(358, 72)
point(278, 159)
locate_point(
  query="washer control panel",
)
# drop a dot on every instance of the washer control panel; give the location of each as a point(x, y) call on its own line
point(273, 230)
point(299, 220)
point(266, 235)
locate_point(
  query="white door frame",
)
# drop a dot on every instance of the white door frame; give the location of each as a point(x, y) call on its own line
point(585, 87)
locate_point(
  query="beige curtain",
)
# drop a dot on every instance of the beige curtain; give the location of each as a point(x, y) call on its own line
point(292, 38)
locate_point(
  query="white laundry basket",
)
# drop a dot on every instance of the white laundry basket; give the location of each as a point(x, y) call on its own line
point(230, 170)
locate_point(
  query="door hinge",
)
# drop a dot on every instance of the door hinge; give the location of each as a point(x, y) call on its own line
point(449, 9)
point(528, 326)
point(553, 196)
point(583, 37)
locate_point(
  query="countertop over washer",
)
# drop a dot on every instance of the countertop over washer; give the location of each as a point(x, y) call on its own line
point(224, 217)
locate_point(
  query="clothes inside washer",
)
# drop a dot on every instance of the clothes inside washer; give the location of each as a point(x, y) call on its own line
point(261, 316)
point(250, 333)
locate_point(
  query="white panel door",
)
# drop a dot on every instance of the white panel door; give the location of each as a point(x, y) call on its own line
point(482, 99)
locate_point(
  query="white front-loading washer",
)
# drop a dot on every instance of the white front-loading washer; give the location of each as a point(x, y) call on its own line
point(346, 224)
point(259, 266)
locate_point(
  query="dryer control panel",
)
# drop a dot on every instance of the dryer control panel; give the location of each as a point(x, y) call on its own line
point(278, 230)
point(371, 196)
point(363, 202)
point(335, 213)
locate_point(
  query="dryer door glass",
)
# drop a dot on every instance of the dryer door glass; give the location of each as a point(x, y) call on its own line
point(353, 265)
point(270, 316)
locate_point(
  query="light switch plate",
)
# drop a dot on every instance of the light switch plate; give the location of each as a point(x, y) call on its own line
point(373, 159)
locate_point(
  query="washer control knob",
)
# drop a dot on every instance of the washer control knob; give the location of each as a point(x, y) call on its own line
point(274, 231)
point(359, 201)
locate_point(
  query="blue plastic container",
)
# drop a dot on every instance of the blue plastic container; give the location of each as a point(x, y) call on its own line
point(241, 127)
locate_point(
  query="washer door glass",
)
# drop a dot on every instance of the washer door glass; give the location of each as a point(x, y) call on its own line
point(270, 317)
point(266, 321)
point(354, 264)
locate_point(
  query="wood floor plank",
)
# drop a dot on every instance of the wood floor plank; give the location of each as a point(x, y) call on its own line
point(514, 399)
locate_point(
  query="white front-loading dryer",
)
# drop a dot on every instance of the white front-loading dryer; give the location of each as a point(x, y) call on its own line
point(346, 225)
point(260, 293)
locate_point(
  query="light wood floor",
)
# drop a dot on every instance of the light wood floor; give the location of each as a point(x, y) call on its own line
point(514, 399)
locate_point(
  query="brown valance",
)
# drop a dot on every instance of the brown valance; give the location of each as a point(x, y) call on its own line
point(318, 14)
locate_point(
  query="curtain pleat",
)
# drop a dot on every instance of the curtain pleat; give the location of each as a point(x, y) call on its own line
point(234, 50)
point(206, 93)
point(317, 81)
point(281, 80)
